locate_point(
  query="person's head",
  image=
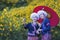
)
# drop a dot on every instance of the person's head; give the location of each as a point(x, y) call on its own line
point(34, 16)
point(42, 14)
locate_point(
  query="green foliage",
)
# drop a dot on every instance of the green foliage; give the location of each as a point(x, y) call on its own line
point(6, 34)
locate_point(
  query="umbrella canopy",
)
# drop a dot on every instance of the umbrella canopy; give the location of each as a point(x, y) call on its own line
point(54, 19)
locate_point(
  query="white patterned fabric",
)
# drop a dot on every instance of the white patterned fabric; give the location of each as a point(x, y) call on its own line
point(33, 15)
point(42, 12)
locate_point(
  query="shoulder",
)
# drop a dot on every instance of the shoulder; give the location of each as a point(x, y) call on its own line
point(46, 21)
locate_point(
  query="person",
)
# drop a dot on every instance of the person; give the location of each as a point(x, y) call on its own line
point(45, 25)
point(32, 27)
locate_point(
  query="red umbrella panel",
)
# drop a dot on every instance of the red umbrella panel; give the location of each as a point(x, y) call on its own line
point(54, 19)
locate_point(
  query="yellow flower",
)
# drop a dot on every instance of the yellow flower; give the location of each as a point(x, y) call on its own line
point(1, 25)
point(5, 10)
point(3, 29)
point(56, 32)
point(0, 28)
point(10, 29)
point(52, 30)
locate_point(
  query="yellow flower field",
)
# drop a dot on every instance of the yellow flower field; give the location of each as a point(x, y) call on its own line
point(15, 15)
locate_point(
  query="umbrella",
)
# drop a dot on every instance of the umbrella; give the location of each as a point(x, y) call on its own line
point(54, 19)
